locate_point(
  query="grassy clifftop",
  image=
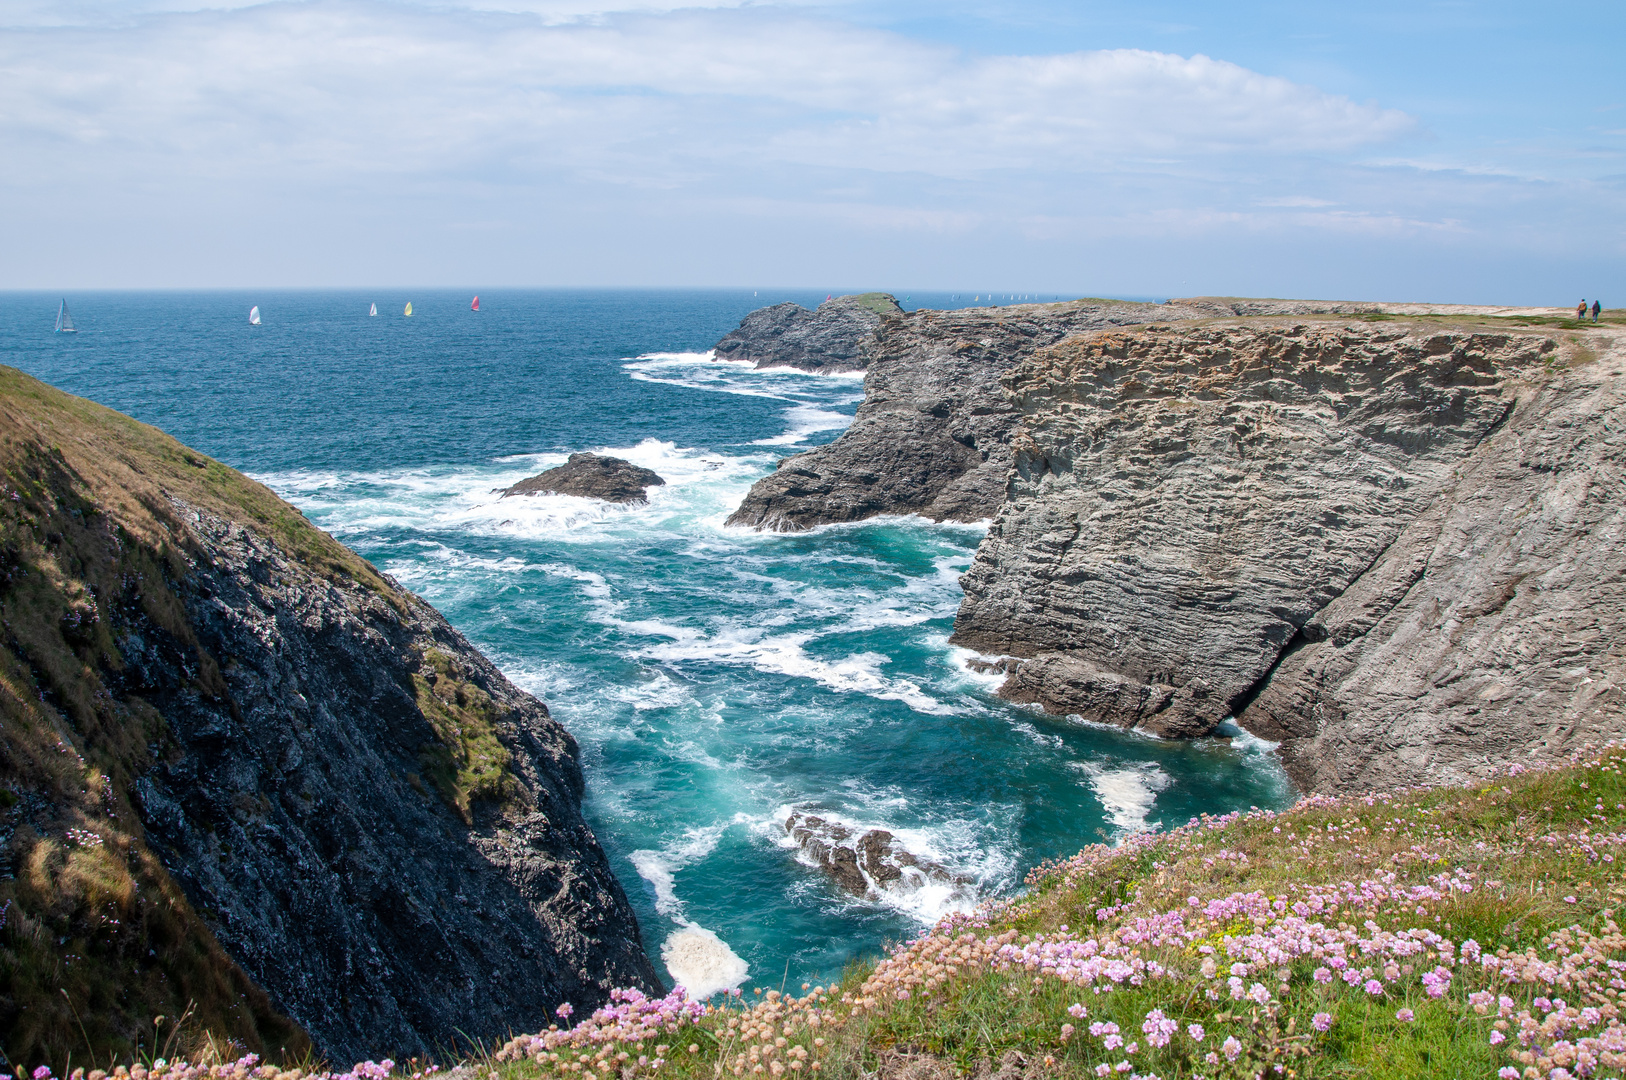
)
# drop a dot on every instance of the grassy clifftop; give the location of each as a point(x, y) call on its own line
point(96, 939)
point(1454, 932)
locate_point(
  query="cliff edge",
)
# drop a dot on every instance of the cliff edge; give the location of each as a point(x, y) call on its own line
point(251, 782)
point(1390, 545)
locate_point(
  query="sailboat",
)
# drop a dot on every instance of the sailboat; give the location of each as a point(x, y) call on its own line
point(64, 321)
point(476, 305)
point(254, 315)
point(409, 309)
point(372, 309)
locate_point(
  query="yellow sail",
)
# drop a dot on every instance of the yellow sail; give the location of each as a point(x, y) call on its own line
point(409, 307)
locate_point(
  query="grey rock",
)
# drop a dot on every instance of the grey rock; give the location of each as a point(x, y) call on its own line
point(837, 336)
point(932, 436)
point(1184, 501)
point(292, 813)
point(868, 861)
point(592, 476)
point(1493, 628)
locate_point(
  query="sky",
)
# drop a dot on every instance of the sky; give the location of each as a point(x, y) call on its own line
point(1421, 150)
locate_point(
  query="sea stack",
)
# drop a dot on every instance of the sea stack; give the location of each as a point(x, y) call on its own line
point(592, 476)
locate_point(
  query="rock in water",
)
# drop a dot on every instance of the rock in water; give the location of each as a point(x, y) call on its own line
point(867, 862)
point(592, 476)
point(1335, 531)
point(835, 337)
point(266, 745)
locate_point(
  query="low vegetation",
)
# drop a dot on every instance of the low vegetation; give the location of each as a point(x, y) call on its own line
point(1466, 932)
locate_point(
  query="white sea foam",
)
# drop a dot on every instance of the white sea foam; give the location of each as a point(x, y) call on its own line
point(660, 867)
point(701, 962)
point(1128, 793)
point(955, 844)
point(805, 420)
point(1245, 740)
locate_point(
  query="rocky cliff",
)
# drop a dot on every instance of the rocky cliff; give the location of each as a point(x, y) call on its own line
point(245, 772)
point(932, 436)
point(836, 336)
point(1391, 545)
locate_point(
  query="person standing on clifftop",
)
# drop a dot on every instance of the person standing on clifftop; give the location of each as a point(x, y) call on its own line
point(1580, 311)
point(1596, 308)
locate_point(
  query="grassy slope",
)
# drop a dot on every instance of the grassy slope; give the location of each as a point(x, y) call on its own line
point(96, 939)
point(1528, 867)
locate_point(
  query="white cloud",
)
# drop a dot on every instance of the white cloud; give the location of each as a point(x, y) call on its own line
point(323, 91)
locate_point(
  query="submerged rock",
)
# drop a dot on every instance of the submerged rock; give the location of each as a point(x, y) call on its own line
point(592, 476)
point(867, 862)
point(836, 336)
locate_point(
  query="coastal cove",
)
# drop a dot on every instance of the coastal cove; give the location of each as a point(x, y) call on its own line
point(718, 679)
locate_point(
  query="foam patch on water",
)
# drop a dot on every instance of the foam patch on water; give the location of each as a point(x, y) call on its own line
point(1245, 740)
point(1128, 793)
point(659, 868)
point(806, 420)
point(701, 962)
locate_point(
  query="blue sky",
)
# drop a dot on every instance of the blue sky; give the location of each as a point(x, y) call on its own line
point(1471, 152)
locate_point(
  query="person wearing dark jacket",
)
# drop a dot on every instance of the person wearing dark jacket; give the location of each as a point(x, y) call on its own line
point(1596, 308)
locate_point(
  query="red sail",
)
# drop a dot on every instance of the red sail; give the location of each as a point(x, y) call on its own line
point(476, 305)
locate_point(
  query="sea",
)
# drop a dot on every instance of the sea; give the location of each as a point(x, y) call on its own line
point(717, 679)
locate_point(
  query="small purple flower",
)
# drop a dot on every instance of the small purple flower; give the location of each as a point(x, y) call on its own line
point(1373, 987)
point(1196, 1032)
point(1497, 1038)
point(1322, 975)
point(1508, 1072)
point(564, 1011)
point(1321, 1021)
point(42, 1072)
point(1231, 1048)
point(1405, 1016)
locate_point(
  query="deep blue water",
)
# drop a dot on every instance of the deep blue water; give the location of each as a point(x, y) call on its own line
point(717, 679)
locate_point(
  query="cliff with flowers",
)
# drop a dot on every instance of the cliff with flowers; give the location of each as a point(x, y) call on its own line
point(252, 793)
point(1427, 932)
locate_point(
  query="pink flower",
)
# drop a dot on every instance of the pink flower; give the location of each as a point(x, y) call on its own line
point(1159, 1028)
point(1508, 1072)
point(1231, 1047)
point(1196, 1032)
point(1321, 1021)
point(1066, 1032)
point(42, 1072)
point(1405, 1016)
point(564, 1011)
point(1103, 1069)
point(1077, 1012)
point(1112, 1042)
point(1373, 987)
point(1322, 975)
point(1497, 1038)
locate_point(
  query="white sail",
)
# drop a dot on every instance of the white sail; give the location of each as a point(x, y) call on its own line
point(64, 321)
point(372, 309)
point(254, 315)
point(409, 308)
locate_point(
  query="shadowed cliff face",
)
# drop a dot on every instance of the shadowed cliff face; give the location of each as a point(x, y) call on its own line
point(838, 335)
point(243, 769)
point(1189, 508)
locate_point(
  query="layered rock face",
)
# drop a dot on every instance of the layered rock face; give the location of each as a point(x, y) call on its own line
point(1493, 627)
point(836, 336)
point(592, 476)
point(932, 436)
point(1242, 518)
point(249, 778)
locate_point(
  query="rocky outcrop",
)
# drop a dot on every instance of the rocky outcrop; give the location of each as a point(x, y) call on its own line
point(592, 476)
point(837, 336)
point(1294, 522)
point(866, 862)
point(252, 780)
point(932, 436)
point(385, 833)
point(1493, 627)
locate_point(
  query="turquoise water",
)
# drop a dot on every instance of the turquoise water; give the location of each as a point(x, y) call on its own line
point(717, 679)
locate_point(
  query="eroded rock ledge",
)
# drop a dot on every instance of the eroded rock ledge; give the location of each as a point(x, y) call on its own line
point(836, 336)
point(1394, 546)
